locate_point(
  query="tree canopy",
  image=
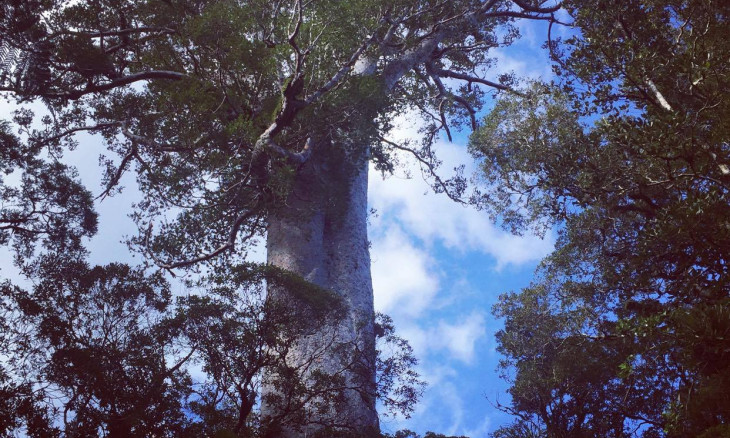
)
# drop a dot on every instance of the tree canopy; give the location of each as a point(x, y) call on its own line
point(625, 332)
point(217, 104)
point(107, 351)
point(220, 109)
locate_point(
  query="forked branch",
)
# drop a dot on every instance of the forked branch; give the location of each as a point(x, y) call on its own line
point(429, 167)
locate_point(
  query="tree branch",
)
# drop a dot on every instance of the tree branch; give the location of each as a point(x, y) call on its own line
point(116, 83)
point(119, 32)
point(77, 129)
point(430, 69)
point(429, 167)
point(228, 245)
point(342, 72)
point(118, 174)
point(300, 157)
point(474, 79)
point(537, 9)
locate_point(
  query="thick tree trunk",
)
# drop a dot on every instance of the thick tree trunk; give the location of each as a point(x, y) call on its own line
point(322, 236)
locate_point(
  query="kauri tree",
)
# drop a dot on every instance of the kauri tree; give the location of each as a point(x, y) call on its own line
point(243, 120)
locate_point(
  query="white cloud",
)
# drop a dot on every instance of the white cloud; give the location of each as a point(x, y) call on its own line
point(432, 217)
point(460, 338)
point(480, 431)
point(450, 397)
point(417, 338)
point(404, 280)
point(452, 340)
point(525, 57)
point(442, 409)
point(411, 227)
point(525, 65)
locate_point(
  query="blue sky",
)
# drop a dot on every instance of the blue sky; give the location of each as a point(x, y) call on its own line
point(437, 268)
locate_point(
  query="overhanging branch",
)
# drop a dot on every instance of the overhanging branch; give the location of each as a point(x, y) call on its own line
point(537, 9)
point(226, 246)
point(430, 168)
point(300, 157)
point(474, 79)
point(119, 82)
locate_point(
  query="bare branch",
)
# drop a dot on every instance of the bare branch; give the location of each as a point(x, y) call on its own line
point(77, 129)
point(475, 79)
point(516, 14)
point(430, 168)
point(537, 9)
point(292, 39)
point(487, 6)
point(424, 50)
point(300, 157)
point(118, 32)
point(118, 174)
point(116, 83)
point(444, 92)
point(341, 73)
point(408, 60)
point(228, 245)
point(659, 96)
point(137, 138)
point(444, 122)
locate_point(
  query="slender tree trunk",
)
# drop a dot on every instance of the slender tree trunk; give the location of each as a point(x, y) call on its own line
point(322, 236)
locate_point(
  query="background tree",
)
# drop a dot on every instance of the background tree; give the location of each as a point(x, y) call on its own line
point(86, 353)
point(245, 118)
point(105, 351)
point(625, 331)
point(48, 203)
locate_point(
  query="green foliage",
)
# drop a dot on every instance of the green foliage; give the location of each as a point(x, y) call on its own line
point(40, 201)
point(90, 347)
point(513, 134)
point(107, 351)
point(624, 333)
point(521, 428)
point(227, 113)
point(185, 92)
point(398, 384)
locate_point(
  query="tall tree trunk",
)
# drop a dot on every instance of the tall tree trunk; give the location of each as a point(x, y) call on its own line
point(321, 235)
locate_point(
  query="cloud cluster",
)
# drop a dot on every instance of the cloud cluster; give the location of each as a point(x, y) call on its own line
point(404, 277)
point(414, 234)
point(435, 218)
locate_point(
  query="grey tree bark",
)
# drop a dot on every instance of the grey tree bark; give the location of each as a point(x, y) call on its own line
point(322, 236)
